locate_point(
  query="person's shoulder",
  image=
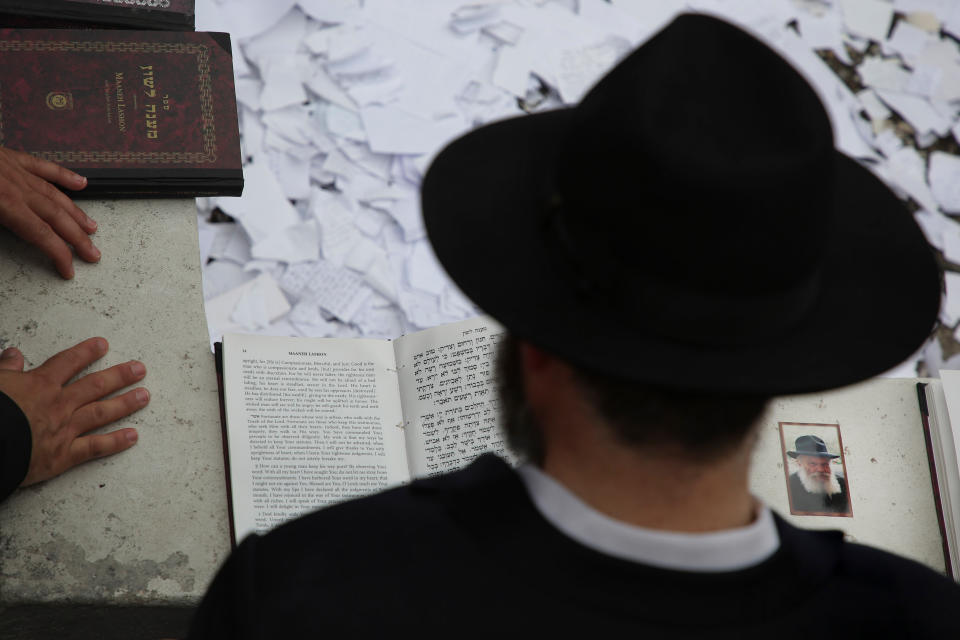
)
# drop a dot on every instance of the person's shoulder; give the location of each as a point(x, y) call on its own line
point(895, 575)
point(925, 600)
point(15, 445)
point(876, 585)
point(362, 558)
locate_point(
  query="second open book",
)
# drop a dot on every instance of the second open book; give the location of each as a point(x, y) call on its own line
point(313, 421)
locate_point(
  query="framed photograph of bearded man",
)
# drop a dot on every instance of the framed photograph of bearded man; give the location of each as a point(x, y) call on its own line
point(815, 469)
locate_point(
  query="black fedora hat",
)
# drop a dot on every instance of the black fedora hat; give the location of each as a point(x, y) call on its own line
point(811, 446)
point(688, 224)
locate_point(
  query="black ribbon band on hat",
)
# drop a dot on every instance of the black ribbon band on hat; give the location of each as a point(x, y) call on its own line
point(685, 315)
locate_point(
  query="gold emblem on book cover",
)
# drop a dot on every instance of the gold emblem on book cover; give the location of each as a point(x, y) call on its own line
point(59, 100)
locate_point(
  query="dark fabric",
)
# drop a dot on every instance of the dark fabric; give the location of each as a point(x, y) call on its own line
point(582, 218)
point(467, 554)
point(15, 446)
point(803, 500)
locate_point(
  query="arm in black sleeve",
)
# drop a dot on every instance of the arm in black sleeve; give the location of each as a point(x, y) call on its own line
point(229, 609)
point(15, 446)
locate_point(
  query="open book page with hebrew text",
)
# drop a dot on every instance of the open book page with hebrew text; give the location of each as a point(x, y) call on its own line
point(449, 394)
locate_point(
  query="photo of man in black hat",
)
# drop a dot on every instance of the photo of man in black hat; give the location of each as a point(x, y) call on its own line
point(815, 485)
point(666, 256)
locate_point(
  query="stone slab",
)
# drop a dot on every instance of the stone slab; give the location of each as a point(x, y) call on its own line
point(149, 525)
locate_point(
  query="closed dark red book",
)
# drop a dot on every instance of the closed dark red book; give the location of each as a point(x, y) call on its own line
point(135, 14)
point(140, 113)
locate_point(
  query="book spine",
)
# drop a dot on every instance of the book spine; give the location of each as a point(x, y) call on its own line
point(174, 15)
point(218, 362)
point(931, 461)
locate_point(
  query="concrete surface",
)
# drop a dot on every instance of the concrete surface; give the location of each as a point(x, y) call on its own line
point(147, 527)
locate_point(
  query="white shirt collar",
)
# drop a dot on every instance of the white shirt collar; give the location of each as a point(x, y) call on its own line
point(727, 550)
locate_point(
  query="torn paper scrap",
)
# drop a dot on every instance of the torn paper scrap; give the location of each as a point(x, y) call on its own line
point(307, 318)
point(263, 206)
point(909, 41)
point(951, 242)
point(296, 243)
point(282, 86)
point(917, 111)
point(867, 18)
point(905, 172)
point(380, 320)
point(944, 177)
point(580, 68)
point(337, 290)
point(424, 271)
point(221, 276)
point(332, 11)
point(883, 74)
point(231, 243)
point(876, 110)
point(392, 130)
point(260, 292)
point(937, 228)
point(260, 303)
point(950, 310)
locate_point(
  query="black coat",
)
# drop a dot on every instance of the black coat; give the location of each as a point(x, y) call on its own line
point(467, 554)
point(15, 446)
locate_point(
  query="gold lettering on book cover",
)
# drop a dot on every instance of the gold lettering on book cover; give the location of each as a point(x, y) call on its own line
point(153, 4)
point(121, 102)
point(205, 92)
point(150, 109)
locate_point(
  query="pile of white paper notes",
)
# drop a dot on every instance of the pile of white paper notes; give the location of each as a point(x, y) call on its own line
point(344, 102)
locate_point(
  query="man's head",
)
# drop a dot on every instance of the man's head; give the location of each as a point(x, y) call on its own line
point(813, 464)
point(696, 426)
point(687, 240)
point(816, 469)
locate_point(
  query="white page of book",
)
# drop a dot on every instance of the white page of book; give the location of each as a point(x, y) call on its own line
point(945, 455)
point(450, 401)
point(310, 422)
point(951, 392)
point(884, 458)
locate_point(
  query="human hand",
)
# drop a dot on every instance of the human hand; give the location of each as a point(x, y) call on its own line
point(60, 411)
point(41, 214)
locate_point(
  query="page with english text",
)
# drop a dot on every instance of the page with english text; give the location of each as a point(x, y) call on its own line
point(310, 422)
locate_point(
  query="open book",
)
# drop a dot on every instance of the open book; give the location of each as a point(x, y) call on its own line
point(313, 421)
point(940, 402)
point(890, 451)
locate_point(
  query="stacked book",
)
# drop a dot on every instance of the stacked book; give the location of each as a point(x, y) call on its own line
point(168, 15)
point(139, 113)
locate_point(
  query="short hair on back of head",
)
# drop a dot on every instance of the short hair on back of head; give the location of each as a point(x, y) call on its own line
point(694, 424)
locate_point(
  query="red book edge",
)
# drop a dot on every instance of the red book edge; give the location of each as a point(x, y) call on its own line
point(924, 417)
point(218, 359)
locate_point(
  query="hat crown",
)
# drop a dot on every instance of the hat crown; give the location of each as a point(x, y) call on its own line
point(810, 445)
point(735, 145)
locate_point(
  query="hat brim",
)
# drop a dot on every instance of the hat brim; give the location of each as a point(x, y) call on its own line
point(794, 454)
point(483, 199)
